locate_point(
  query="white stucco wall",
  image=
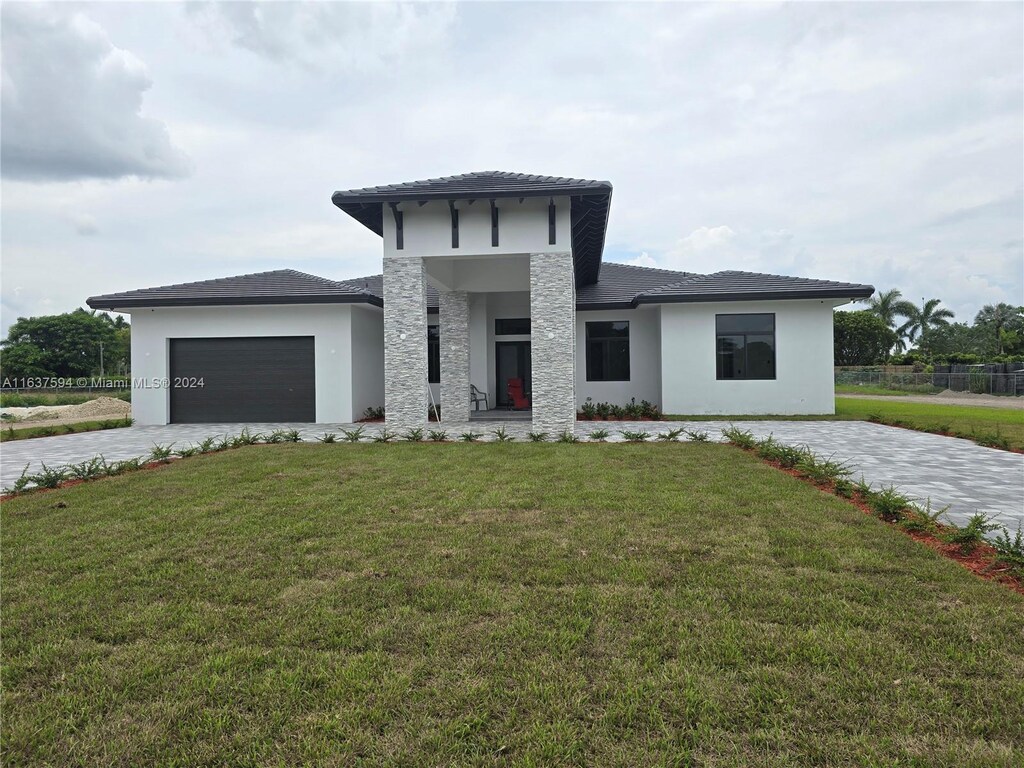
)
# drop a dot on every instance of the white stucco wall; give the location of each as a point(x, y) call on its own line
point(644, 358)
point(522, 228)
point(367, 358)
point(803, 361)
point(330, 325)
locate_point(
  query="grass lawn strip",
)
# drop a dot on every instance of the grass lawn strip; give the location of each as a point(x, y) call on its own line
point(423, 604)
point(49, 430)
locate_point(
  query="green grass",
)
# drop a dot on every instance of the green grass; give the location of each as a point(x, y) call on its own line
point(963, 420)
point(523, 604)
point(856, 389)
point(21, 400)
point(47, 430)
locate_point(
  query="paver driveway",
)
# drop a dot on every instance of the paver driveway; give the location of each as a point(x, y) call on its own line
point(949, 471)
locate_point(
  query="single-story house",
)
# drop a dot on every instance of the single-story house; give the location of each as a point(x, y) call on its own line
point(488, 278)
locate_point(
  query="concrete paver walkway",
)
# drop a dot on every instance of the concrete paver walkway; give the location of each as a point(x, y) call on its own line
point(949, 471)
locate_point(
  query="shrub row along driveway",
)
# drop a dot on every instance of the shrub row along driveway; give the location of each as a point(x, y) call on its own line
point(949, 471)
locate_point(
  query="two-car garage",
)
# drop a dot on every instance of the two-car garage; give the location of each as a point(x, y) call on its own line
point(242, 379)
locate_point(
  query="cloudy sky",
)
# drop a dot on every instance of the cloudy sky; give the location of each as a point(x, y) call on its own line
point(145, 144)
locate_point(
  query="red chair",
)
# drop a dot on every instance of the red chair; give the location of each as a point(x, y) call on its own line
point(515, 394)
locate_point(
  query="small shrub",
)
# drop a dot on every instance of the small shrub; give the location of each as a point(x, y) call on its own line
point(20, 485)
point(671, 436)
point(876, 418)
point(632, 409)
point(46, 432)
point(437, 435)
point(206, 445)
point(87, 470)
point(502, 435)
point(1010, 552)
point(538, 437)
point(822, 471)
point(374, 414)
point(588, 410)
point(69, 429)
point(384, 436)
point(843, 487)
point(863, 488)
point(923, 519)
point(697, 435)
point(49, 477)
point(470, 437)
point(567, 436)
point(292, 436)
point(649, 410)
point(224, 443)
point(184, 453)
point(127, 465)
point(161, 453)
point(413, 435)
point(742, 438)
point(617, 411)
point(889, 504)
point(635, 437)
point(353, 435)
point(245, 437)
point(968, 537)
point(604, 410)
point(599, 435)
point(328, 437)
point(277, 436)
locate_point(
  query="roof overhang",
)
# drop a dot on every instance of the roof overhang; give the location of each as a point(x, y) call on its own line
point(590, 204)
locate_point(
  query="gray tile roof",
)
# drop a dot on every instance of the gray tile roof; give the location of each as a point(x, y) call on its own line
point(622, 286)
point(733, 285)
point(590, 205)
point(280, 286)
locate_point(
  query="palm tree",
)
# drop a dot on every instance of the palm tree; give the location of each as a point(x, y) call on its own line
point(998, 317)
point(921, 319)
point(888, 305)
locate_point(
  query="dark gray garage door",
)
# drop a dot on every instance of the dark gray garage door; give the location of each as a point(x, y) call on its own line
point(246, 379)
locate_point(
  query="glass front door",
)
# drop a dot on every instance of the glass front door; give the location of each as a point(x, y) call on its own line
point(512, 361)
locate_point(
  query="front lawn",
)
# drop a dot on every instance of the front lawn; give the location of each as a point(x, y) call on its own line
point(645, 604)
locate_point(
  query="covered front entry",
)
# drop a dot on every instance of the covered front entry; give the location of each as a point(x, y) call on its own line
point(511, 361)
point(253, 379)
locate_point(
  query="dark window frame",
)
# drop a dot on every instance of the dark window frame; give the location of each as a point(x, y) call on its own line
point(744, 334)
point(433, 354)
point(605, 364)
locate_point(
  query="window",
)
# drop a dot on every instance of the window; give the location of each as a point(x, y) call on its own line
point(745, 346)
point(608, 351)
point(516, 326)
point(433, 354)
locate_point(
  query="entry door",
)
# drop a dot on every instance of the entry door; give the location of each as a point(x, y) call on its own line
point(512, 361)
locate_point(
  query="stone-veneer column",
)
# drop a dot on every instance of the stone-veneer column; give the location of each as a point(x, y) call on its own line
point(553, 341)
point(405, 343)
point(453, 328)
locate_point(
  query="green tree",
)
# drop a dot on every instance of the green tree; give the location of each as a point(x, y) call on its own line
point(998, 318)
point(888, 305)
point(861, 338)
point(58, 345)
point(921, 320)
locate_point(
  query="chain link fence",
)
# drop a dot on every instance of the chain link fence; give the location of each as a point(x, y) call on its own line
point(1005, 379)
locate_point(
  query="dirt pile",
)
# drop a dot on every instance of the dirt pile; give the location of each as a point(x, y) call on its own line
point(100, 408)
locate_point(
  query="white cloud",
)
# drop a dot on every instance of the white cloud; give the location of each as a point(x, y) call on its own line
point(85, 224)
point(72, 102)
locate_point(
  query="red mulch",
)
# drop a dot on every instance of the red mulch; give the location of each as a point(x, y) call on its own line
point(981, 561)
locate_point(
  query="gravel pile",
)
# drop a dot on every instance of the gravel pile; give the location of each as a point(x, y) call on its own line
point(100, 408)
